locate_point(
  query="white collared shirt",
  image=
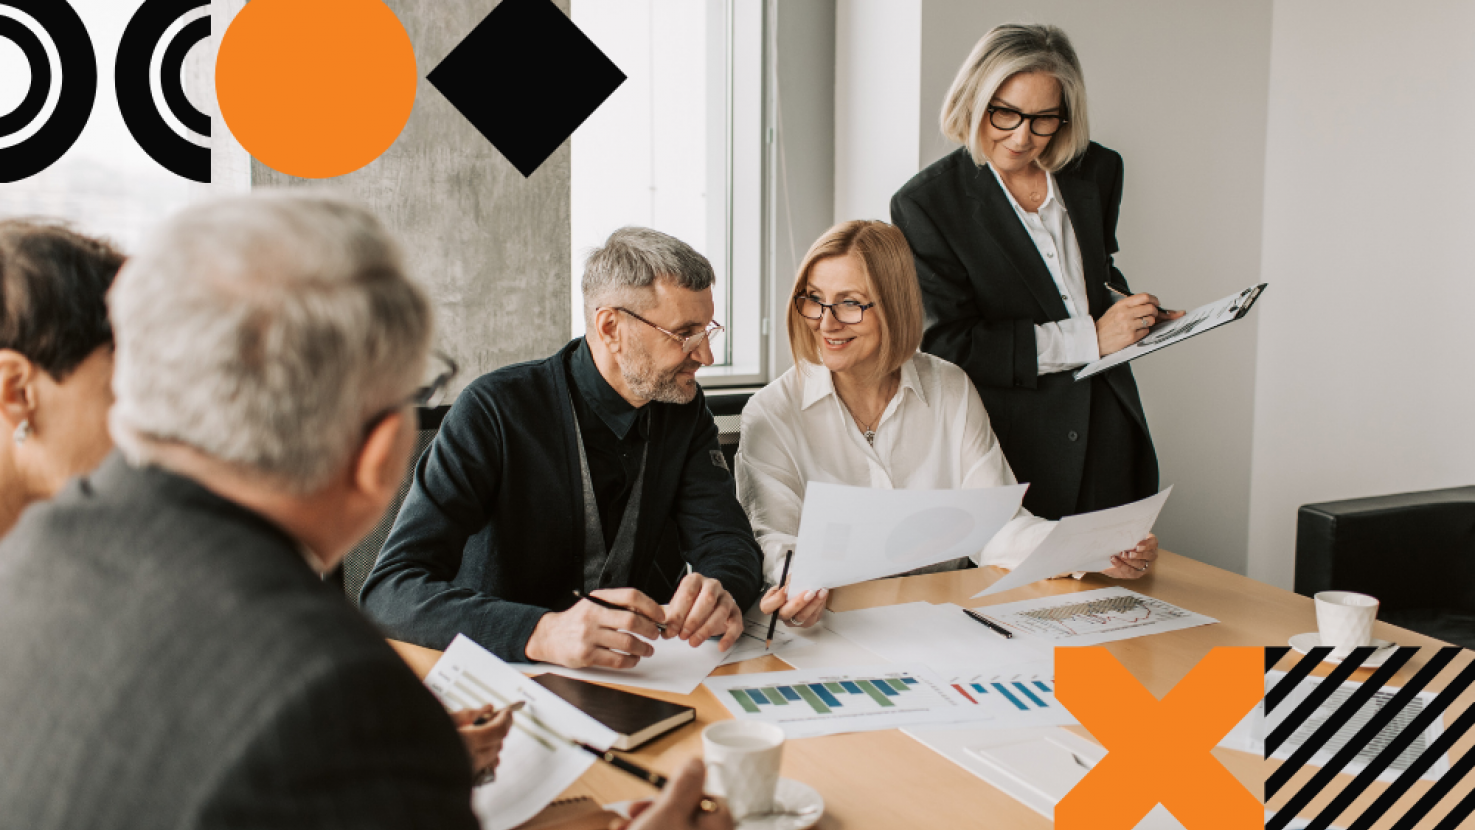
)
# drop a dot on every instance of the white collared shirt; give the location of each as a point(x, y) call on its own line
point(1067, 344)
point(934, 434)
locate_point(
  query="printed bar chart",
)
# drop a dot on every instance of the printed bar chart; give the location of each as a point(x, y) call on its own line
point(825, 701)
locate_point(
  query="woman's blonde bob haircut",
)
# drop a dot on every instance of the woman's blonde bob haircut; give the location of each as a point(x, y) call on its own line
point(891, 283)
point(1004, 52)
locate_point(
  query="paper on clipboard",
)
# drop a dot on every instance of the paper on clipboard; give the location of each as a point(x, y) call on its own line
point(1168, 332)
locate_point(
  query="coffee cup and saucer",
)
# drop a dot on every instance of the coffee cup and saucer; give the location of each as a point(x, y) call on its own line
point(743, 759)
point(1344, 621)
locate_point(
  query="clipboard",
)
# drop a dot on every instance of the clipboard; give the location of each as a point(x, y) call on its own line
point(1169, 332)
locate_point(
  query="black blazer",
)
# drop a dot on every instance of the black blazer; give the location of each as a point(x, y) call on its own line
point(170, 660)
point(491, 535)
point(985, 287)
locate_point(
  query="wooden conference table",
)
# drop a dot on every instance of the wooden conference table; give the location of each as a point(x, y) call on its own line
point(888, 780)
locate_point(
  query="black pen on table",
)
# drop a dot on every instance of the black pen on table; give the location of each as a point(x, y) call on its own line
point(604, 603)
point(655, 779)
point(773, 623)
point(993, 626)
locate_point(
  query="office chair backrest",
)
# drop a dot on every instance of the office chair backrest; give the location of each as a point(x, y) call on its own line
point(727, 411)
point(360, 560)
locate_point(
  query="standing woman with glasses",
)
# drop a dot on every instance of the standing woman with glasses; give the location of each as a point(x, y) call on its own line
point(862, 407)
point(1014, 235)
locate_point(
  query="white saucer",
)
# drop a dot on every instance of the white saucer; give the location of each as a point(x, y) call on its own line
point(796, 806)
point(1311, 639)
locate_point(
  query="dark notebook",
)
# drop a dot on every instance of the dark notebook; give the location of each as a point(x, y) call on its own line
point(636, 718)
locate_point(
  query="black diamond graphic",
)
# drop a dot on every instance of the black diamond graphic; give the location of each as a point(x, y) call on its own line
point(526, 78)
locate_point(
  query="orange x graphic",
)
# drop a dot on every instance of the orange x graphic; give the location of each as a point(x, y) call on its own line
point(1160, 751)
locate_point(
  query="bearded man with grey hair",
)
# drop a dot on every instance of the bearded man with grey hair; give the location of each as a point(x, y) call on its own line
point(561, 476)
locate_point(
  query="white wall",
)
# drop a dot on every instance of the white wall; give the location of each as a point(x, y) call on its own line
point(1180, 91)
point(1364, 384)
point(878, 47)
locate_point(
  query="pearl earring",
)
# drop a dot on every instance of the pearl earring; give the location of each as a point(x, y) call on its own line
point(22, 432)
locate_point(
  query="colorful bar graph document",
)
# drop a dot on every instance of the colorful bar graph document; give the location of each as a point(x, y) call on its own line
point(535, 766)
point(828, 701)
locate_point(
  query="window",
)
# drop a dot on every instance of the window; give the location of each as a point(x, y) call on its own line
point(678, 148)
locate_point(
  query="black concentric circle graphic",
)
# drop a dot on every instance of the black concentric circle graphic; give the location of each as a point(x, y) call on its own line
point(60, 22)
point(35, 100)
point(135, 94)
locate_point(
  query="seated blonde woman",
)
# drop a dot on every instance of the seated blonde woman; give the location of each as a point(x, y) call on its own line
point(863, 407)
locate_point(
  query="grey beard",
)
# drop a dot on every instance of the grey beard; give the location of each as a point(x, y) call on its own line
point(665, 389)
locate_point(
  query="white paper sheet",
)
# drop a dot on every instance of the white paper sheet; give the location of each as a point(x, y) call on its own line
point(755, 634)
point(1085, 542)
point(1035, 765)
point(535, 767)
point(827, 650)
point(1168, 332)
point(814, 702)
point(940, 636)
point(852, 534)
point(1090, 618)
point(675, 667)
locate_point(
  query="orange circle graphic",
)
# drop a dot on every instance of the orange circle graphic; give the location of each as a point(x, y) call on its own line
point(316, 88)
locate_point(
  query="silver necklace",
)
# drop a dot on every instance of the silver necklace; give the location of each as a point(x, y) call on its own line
point(865, 428)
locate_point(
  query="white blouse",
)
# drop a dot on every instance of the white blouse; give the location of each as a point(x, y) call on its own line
point(933, 435)
point(1070, 343)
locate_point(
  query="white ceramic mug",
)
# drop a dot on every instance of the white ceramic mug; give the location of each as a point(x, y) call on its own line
point(742, 764)
point(1345, 620)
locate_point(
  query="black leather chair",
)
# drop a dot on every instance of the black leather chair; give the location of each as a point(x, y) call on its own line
point(360, 560)
point(727, 411)
point(1415, 552)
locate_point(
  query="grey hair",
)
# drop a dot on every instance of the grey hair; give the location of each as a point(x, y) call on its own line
point(624, 269)
point(1004, 52)
point(265, 332)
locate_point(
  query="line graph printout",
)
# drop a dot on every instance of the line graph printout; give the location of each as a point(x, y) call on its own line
point(535, 764)
point(1090, 618)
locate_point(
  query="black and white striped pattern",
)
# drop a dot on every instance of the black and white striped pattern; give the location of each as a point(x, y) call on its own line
point(1371, 731)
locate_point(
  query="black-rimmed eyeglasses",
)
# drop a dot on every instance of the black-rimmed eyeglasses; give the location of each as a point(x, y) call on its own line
point(1005, 118)
point(848, 312)
point(689, 343)
point(442, 370)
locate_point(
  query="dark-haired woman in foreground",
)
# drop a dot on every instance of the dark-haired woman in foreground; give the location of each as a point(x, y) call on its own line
point(56, 359)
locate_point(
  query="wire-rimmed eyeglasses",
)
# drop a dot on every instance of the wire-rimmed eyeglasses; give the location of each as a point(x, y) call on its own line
point(689, 343)
point(848, 312)
point(1044, 125)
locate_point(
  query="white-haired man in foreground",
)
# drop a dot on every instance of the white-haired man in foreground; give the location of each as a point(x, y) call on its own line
point(172, 657)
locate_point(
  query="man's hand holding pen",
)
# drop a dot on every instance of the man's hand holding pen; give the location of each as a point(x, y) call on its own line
point(600, 630)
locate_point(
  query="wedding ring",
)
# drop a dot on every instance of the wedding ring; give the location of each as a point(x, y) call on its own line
point(794, 621)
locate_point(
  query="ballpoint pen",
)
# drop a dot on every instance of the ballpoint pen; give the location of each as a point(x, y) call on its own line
point(604, 603)
point(773, 623)
point(993, 626)
point(1123, 295)
point(608, 756)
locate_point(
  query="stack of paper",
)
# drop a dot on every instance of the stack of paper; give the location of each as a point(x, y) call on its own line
point(536, 765)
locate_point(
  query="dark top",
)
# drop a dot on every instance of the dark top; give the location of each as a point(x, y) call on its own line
point(170, 660)
point(985, 287)
point(614, 433)
point(491, 535)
